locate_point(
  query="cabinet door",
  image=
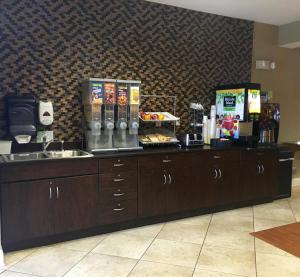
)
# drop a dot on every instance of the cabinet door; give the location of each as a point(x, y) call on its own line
point(258, 179)
point(268, 178)
point(188, 187)
point(26, 210)
point(76, 203)
point(152, 187)
point(227, 185)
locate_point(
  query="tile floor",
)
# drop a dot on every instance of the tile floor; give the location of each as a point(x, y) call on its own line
point(217, 245)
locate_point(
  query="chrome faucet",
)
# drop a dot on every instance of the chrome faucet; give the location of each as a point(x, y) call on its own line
point(46, 144)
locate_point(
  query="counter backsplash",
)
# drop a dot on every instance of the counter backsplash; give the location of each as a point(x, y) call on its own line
point(49, 47)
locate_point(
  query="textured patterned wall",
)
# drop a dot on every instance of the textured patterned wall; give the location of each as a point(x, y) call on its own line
point(49, 47)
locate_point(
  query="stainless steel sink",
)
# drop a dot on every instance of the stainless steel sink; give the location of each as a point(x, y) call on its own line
point(68, 154)
point(46, 155)
point(25, 156)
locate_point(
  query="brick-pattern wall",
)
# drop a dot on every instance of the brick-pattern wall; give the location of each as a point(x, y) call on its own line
point(48, 47)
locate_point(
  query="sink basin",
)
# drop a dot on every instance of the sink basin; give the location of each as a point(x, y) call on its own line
point(46, 155)
point(25, 156)
point(68, 154)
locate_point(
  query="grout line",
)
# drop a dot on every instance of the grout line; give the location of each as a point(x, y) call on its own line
point(292, 210)
point(147, 248)
point(202, 244)
point(84, 256)
point(255, 260)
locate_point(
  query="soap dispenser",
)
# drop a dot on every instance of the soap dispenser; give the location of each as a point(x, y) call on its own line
point(46, 113)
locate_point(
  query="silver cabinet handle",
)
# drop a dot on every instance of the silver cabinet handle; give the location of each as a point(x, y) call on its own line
point(117, 165)
point(216, 174)
point(118, 209)
point(217, 157)
point(118, 194)
point(57, 193)
point(118, 180)
point(170, 179)
point(220, 172)
point(165, 179)
point(167, 161)
point(286, 160)
point(50, 193)
point(263, 169)
point(259, 168)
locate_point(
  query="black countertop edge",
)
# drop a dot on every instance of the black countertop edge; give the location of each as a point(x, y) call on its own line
point(157, 150)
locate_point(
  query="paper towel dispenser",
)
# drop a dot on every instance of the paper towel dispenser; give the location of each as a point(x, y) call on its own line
point(21, 114)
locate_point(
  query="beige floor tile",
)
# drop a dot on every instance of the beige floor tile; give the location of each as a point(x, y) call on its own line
point(220, 237)
point(183, 232)
point(247, 211)
point(205, 273)
point(123, 245)
point(49, 261)
point(84, 244)
point(277, 210)
point(14, 274)
point(173, 252)
point(269, 265)
point(145, 231)
point(295, 192)
point(267, 248)
point(233, 261)
point(201, 220)
point(295, 205)
point(12, 258)
point(264, 224)
point(233, 222)
point(97, 265)
point(151, 269)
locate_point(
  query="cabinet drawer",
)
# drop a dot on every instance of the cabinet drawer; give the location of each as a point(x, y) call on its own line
point(117, 165)
point(47, 169)
point(118, 211)
point(118, 180)
point(224, 156)
point(108, 196)
point(256, 155)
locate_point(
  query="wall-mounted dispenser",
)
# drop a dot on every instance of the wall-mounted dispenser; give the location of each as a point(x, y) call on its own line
point(46, 113)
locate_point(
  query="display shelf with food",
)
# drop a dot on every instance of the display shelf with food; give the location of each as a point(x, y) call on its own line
point(157, 116)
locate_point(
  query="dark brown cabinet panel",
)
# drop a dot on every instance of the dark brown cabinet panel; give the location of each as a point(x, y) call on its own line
point(26, 210)
point(40, 208)
point(258, 175)
point(152, 191)
point(47, 169)
point(117, 164)
point(75, 203)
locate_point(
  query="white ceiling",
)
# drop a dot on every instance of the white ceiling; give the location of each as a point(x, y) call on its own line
point(275, 12)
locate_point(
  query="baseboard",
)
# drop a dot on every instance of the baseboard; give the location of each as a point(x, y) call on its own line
point(296, 182)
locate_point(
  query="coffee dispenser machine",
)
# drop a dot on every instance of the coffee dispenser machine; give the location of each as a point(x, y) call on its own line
point(111, 114)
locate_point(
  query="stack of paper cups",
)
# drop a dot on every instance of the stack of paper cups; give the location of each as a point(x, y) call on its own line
point(212, 121)
point(204, 129)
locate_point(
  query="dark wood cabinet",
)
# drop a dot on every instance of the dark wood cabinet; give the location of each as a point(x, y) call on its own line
point(172, 183)
point(39, 208)
point(258, 175)
point(38, 201)
point(26, 210)
point(75, 203)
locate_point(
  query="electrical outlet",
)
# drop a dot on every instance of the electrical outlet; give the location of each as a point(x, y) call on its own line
point(41, 134)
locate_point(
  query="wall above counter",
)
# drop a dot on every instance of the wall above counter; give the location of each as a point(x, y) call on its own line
point(51, 47)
